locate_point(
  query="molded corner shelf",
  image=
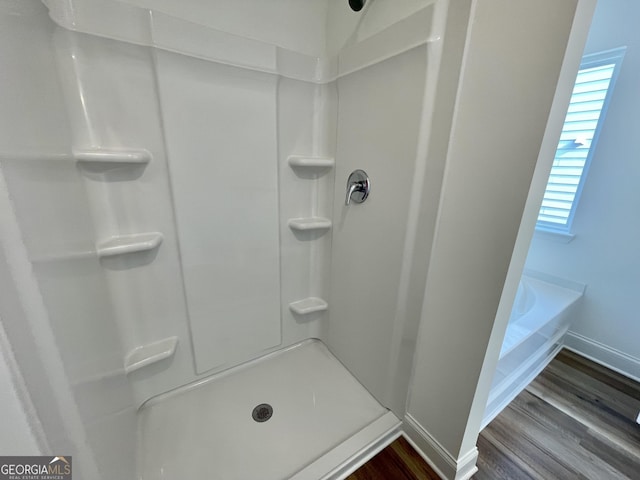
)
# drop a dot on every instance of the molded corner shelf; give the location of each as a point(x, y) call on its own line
point(309, 223)
point(112, 158)
point(308, 305)
point(151, 353)
point(311, 162)
point(121, 244)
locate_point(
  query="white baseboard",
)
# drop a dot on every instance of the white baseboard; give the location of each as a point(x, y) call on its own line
point(463, 468)
point(441, 460)
point(604, 355)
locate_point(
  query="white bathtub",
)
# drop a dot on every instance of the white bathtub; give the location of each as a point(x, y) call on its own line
point(539, 321)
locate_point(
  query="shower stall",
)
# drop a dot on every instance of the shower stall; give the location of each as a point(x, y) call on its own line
point(193, 284)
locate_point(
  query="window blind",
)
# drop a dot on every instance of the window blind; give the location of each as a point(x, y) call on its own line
point(576, 141)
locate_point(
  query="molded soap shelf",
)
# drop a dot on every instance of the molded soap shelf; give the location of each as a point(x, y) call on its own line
point(309, 223)
point(111, 159)
point(112, 156)
point(122, 244)
point(308, 305)
point(311, 162)
point(151, 353)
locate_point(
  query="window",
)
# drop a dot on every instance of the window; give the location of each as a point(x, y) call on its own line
point(582, 125)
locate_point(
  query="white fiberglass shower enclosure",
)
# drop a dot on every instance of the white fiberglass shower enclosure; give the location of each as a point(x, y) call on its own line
point(176, 248)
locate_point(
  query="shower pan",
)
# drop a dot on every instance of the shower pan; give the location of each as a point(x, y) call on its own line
point(198, 277)
point(315, 423)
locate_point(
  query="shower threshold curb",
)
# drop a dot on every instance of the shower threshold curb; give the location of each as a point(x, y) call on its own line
point(348, 456)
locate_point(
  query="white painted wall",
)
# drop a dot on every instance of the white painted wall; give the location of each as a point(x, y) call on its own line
point(482, 201)
point(571, 63)
point(604, 254)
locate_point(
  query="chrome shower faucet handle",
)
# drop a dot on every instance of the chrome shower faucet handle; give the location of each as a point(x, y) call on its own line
point(358, 187)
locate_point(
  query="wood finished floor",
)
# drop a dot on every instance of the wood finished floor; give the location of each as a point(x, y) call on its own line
point(399, 461)
point(576, 420)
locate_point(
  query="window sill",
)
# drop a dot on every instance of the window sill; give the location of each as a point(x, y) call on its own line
point(553, 235)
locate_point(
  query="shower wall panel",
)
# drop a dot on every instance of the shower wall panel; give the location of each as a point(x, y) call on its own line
point(56, 307)
point(289, 24)
point(112, 103)
point(306, 127)
point(218, 180)
point(221, 136)
point(378, 131)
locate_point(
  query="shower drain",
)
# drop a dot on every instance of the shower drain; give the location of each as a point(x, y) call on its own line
point(262, 412)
